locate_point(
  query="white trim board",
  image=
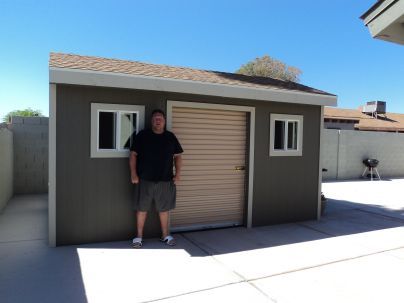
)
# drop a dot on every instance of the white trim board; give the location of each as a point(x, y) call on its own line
point(379, 10)
point(52, 167)
point(320, 168)
point(120, 80)
point(247, 109)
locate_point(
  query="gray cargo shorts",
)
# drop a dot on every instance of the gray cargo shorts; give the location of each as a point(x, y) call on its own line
point(162, 193)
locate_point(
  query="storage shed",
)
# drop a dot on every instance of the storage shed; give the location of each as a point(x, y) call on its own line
point(252, 147)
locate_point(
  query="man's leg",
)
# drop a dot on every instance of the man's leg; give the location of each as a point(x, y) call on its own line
point(141, 219)
point(164, 223)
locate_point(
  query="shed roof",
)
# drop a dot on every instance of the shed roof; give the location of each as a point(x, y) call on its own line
point(69, 62)
point(60, 60)
point(387, 122)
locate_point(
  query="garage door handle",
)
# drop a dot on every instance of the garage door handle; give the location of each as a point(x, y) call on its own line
point(238, 168)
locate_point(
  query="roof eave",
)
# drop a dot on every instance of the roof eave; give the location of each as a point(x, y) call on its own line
point(385, 21)
point(387, 129)
point(341, 118)
point(120, 80)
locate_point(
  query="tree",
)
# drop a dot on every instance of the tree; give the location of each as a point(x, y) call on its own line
point(28, 112)
point(270, 67)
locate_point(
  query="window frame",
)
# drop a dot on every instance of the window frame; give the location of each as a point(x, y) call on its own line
point(119, 109)
point(285, 151)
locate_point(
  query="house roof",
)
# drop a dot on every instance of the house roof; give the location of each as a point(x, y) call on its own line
point(387, 122)
point(71, 62)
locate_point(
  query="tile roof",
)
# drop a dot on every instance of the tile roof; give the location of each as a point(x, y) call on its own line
point(90, 63)
point(387, 122)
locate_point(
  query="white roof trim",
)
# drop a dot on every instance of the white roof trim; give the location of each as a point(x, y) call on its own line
point(120, 80)
point(383, 6)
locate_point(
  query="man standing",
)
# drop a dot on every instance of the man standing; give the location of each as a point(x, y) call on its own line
point(152, 155)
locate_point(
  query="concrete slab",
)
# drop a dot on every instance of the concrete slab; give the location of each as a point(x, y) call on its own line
point(378, 196)
point(353, 221)
point(102, 272)
point(354, 254)
point(25, 218)
point(232, 240)
point(398, 253)
point(32, 272)
point(245, 252)
point(376, 278)
point(139, 275)
point(235, 293)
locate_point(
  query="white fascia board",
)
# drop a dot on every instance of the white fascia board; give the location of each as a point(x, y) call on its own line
point(119, 80)
point(378, 11)
point(385, 22)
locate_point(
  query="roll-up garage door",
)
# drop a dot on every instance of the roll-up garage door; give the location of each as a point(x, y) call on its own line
point(212, 189)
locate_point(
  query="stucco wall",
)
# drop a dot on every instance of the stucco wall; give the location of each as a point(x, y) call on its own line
point(6, 166)
point(30, 154)
point(344, 150)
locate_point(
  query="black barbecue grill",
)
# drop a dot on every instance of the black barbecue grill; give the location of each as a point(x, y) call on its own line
point(371, 165)
point(370, 162)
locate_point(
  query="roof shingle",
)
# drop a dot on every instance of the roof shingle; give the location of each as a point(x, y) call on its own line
point(387, 122)
point(69, 61)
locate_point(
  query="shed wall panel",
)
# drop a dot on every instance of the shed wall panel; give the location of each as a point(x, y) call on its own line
point(94, 196)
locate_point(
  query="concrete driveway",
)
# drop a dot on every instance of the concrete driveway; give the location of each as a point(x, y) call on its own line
point(355, 253)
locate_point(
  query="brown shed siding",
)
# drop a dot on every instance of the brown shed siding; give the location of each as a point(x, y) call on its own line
point(93, 196)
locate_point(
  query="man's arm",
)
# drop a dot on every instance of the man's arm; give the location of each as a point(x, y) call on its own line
point(178, 166)
point(132, 165)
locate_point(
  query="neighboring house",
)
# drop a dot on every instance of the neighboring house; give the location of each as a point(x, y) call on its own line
point(356, 119)
point(252, 146)
point(385, 20)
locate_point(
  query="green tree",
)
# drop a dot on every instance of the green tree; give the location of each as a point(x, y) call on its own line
point(28, 112)
point(269, 67)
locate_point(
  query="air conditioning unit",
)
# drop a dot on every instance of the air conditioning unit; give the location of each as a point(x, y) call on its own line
point(374, 107)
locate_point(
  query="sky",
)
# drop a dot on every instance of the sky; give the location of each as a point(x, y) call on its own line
point(325, 39)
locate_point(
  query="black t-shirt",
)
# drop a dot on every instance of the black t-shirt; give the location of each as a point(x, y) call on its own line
point(155, 154)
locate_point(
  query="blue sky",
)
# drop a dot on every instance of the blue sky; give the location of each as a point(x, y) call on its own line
point(325, 39)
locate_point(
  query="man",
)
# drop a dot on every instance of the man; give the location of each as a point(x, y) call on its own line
point(152, 155)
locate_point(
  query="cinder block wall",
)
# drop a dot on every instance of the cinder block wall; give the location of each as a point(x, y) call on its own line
point(329, 153)
point(344, 150)
point(6, 166)
point(30, 154)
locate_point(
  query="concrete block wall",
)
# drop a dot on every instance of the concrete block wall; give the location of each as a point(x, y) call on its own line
point(6, 166)
point(329, 153)
point(354, 146)
point(30, 154)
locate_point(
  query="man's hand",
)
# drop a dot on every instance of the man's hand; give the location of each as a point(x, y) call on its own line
point(176, 178)
point(134, 178)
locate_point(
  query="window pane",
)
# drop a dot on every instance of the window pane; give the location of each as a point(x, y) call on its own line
point(279, 134)
point(106, 127)
point(128, 129)
point(292, 135)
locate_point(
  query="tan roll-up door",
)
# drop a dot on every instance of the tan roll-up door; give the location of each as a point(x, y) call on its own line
point(211, 192)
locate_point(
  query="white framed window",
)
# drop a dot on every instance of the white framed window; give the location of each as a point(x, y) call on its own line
point(286, 135)
point(113, 127)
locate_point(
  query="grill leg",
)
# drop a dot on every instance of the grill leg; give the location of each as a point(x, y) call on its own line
point(364, 171)
point(377, 173)
point(371, 173)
